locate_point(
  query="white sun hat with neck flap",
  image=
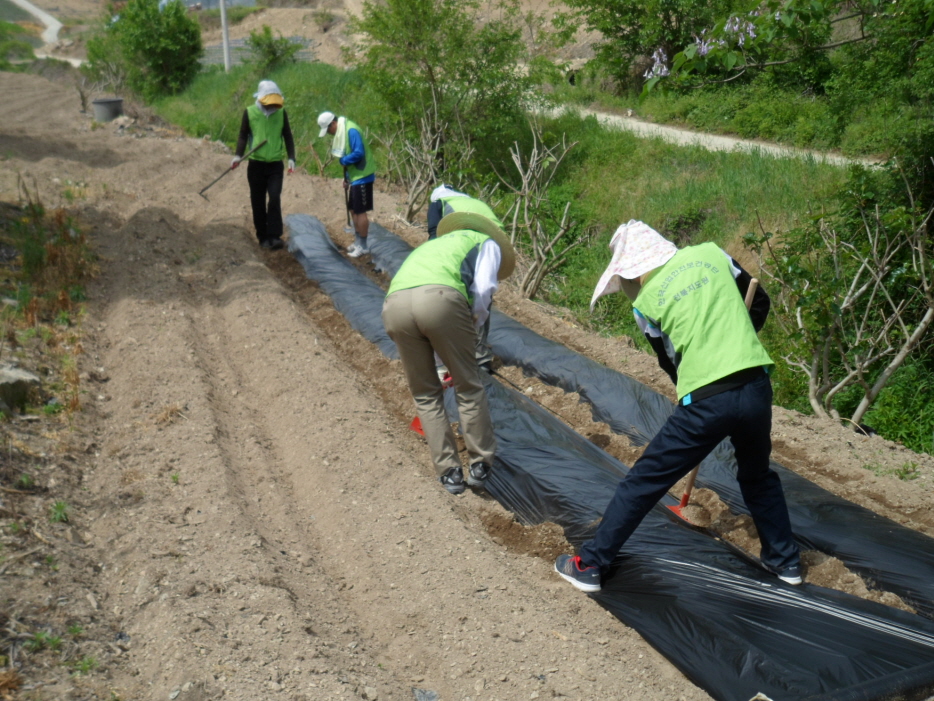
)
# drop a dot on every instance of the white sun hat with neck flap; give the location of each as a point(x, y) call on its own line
point(637, 249)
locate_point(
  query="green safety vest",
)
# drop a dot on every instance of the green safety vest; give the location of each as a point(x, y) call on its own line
point(358, 170)
point(270, 129)
point(450, 205)
point(693, 299)
point(441, 261)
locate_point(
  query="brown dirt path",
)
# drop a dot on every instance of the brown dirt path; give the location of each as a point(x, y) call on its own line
point(306, 549)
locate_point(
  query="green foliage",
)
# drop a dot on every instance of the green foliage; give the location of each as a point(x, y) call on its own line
point(907, 472)
point(12, 45)
point(760, 109)
point(53, 409)
point(175, 478)
point(155, 51)
point(631, 31)
point(436, 60)
point(58, 512)
point(42, 640)
point(850, 298)
point(55, 257)
point(269, 52)
point(25, 481)
point(903, 412)
point(85, 665)
point(324, 19)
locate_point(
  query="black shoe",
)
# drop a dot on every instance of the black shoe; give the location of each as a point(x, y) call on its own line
point(266, 243)
point(572, 569)
point(478, 474)
point(790, 575)
point(453, 481)
point(276, 244)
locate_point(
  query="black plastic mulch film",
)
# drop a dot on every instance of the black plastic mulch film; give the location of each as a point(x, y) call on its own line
point(733, 629)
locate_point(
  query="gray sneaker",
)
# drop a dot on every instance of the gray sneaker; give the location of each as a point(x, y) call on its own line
point(478, 474)
point(453, 480)
point(574, 571)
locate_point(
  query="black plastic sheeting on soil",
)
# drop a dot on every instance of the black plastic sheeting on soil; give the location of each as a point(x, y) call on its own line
point(886, 554)
point(312, 247)
point(731, 627)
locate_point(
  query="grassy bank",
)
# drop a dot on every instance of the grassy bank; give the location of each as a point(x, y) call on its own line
point(760, 110)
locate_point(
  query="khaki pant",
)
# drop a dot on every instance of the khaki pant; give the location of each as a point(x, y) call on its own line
point(437, 319)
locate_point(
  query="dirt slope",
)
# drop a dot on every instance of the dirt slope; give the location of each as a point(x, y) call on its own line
point(306, 552)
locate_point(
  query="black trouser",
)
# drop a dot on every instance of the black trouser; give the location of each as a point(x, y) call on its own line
point(691, 432)
point(266, 178)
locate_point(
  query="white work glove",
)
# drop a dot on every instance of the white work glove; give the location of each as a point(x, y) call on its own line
point(291, 166)
point(234, 162)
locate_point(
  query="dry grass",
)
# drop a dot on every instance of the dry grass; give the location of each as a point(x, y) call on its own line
point(10, 681)
point(168, 415)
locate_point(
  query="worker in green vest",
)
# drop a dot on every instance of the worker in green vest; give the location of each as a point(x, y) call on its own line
point(689, 304)
point(437, 300)
point(359, 173)
point(266, 120)
point(446, 200)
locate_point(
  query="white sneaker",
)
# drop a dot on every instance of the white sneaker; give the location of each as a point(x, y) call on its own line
point(352, 249)
point(358, 251)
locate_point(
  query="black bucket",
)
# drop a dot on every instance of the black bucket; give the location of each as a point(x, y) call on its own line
point(107, 109)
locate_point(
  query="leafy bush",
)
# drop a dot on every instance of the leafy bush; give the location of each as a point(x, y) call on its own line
point(155, 51)
point(904, 412)
point(632, 31)
point(12, 46)
point(449, 72)
point(269, 52)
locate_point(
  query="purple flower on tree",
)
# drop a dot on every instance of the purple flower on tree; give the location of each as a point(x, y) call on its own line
point(659, 68)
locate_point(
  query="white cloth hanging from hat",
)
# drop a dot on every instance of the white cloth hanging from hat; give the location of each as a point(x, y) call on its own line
point(339, 143)
point(637, 249)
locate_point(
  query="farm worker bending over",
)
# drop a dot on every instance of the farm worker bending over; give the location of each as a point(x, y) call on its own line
point(436, 302)
point(266, 120)
point(359, 174)
point(446, 200)
point(689, 304)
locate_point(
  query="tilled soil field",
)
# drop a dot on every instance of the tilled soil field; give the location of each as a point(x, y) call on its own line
point(251, 518)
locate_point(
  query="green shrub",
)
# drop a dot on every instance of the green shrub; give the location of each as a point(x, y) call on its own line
point(269, 52)
point(904, 412)
point(13, 45)
point(155, 51)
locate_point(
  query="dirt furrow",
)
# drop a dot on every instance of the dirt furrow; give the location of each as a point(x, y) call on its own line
point(329, 561)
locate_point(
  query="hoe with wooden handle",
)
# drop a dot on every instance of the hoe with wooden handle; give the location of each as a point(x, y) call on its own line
point(245, 155)
point(692, 476)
